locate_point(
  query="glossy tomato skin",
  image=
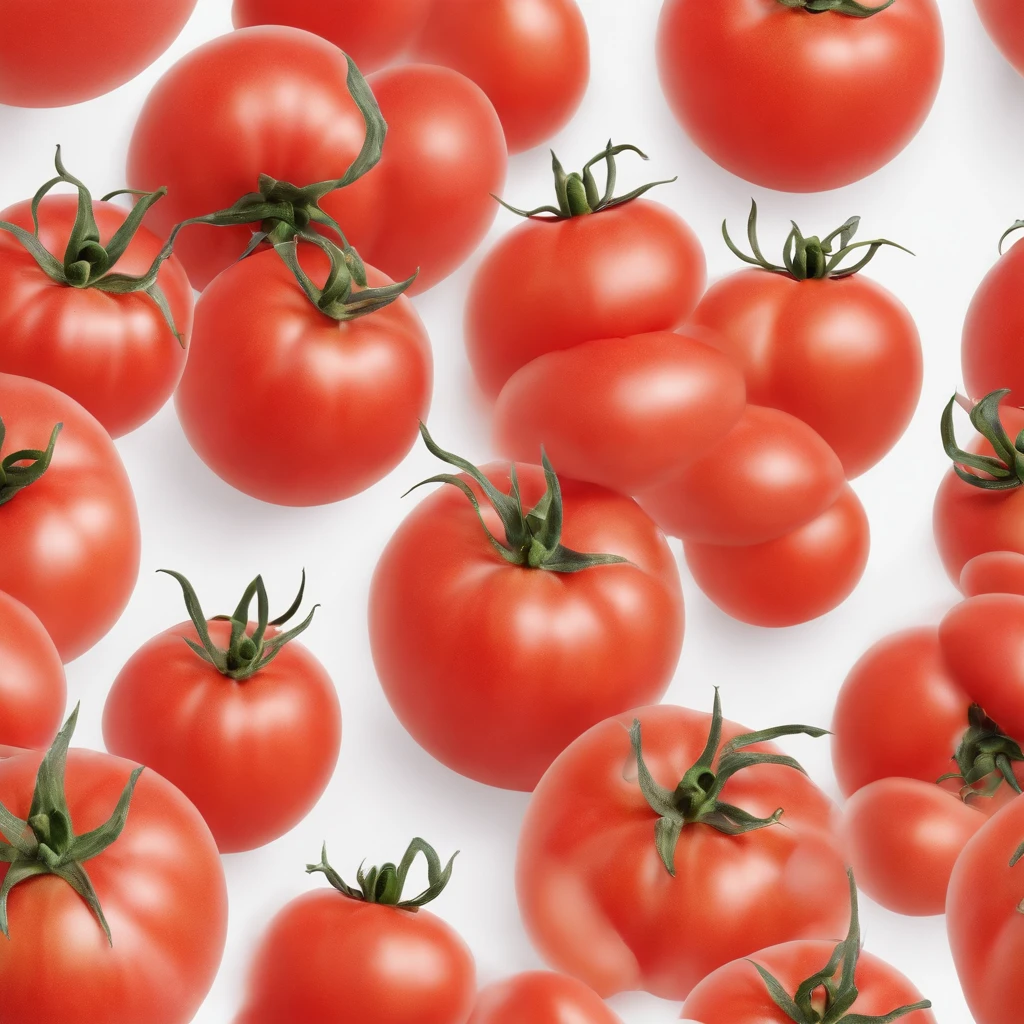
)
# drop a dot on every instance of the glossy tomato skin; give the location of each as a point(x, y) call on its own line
point(631, 269)
point(620, 412)
point(161, 886)
point(254, 756)
point(531, 57)
point(494, 668)
point(79, 588)
point(994, 572)
point(326, 957)
point(599, 904)
point(541, 997)
point(740, 77)
point(1002, 19)
point(113, 354)
point(33, 690)
point(338, 403)
point(842, 355)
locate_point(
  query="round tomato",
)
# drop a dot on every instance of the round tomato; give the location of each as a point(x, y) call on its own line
point(106, 321)
point(364, 954)
point(33, 691)
point(742, 78)
point(241, 719)
point(130, 905)
point(630, 266)
point(495, 654)
point(541, 997)
point(995, 572)
point(337, 383)
point(61, 478)
point(1002, 19)
point(627, 884)
point(88, 50)
point(637, 408)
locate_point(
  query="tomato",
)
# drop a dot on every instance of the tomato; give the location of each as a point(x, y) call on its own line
point(68, 485)
point(364, 955)
point(995, 572)
point(89, 48)
point(541, 997)
point(496, 654)
point(338, 389)
point(116, 353)
point(630, 266)
point(636, 409)
point(33, 690)
point(626, 884)
point(248, 730)
point(1002, 19)
point(133, 915)
point(742, 77)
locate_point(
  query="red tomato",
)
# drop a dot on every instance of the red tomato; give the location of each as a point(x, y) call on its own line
point(768, 476)
point(741, 77)
point(89, 48)
point(79, 586)
point(157, 886)
point(494, 660)
point(531, 57)
point(792, 579)
point(638, 408)
point(541, 997)
point(606, 902)
point(33, 691)
point(367, 956)
point(249, 732)
point(995, 572)
point(1002, 19)
point(338, 401)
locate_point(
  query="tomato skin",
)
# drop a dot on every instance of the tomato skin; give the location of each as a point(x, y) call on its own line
point(995, 572)
point(493, 668)
point(33, 690)
point(620, 412)
point(113, 354)
point(631, 269)
point(541, 997)
point(161, 886)
point(79, 588)
point(1002, 21)
point(768, 476)
point(339, 403)
point(843, 355)
point(739, 76)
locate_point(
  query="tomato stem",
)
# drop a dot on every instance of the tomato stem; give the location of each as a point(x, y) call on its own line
point(985, 752)
point(1005, 470)
point(851, 8)
point(14, 476)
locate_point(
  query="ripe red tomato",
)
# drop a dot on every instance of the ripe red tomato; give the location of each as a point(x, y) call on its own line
point(364, 955)
point(89, 48)
point(496, 654)
point(133, 916)
point(631, 266)
point(740, 76)
point(637, 410)
point(995, 572)
point(627, 884)
point(1002, 19)
point(541, 997)
point(69, 522)
point(248, 730)
point(33, 691)
point(338, 401)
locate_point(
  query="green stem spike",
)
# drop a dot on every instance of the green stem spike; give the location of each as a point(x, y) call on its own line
point(1005, 470)
point(985, 758)
point(15, 476)
point(851, 8)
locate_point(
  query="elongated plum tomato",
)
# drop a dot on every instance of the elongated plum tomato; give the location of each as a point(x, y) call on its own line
point(61, 477)
point(130, 903)
point(366, 954)
point(240, 717)
point(496, 653)
point(593, 267)
point(621, 412)
point(541, 997)
point(1003, 21)
point(629, 878)
point(107, 318)
point(820, 341)
point(741, 77)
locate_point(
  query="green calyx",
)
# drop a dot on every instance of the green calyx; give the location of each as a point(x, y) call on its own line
point(827, 996)
point(577, 193)
point(851, 8)
point(384, 885)
point(46, 843)
point(86, 261)
point(23, 468)
point(1016, 226)
point(984, 758)
point(533, 538)
point(697, 798)
point(810, 258)
point(246, 652)
point(1005, 469)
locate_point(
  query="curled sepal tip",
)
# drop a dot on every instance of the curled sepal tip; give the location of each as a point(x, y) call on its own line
point(1005, 469)
point(984, 758)
point(23, 468)
point(851, 8)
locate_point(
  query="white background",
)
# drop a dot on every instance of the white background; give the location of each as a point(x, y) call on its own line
point(948, 197)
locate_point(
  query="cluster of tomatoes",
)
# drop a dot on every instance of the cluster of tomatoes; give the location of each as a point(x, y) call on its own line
point(664, 849)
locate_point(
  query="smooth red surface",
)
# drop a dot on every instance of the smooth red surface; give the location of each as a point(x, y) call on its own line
point(541, 997)
point(995, 572)
point(1004, 21)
